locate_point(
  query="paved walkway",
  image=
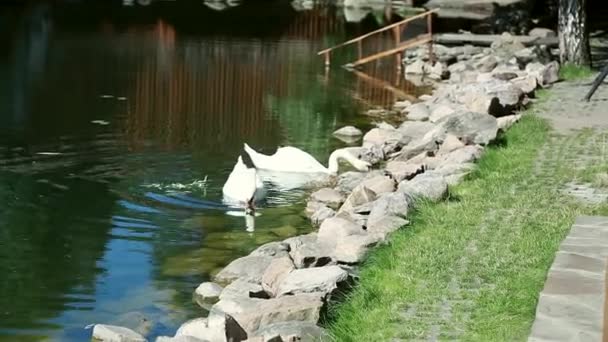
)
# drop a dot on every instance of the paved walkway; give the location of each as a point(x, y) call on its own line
point(571, 306)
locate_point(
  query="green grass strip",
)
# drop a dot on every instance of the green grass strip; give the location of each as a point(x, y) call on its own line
point(471, 267)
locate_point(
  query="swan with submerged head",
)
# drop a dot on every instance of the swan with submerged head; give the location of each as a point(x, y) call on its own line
point(243, 186)
point(292, 159)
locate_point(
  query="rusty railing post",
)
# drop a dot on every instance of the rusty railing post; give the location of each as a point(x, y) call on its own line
point(360, 49)
point(398, 57)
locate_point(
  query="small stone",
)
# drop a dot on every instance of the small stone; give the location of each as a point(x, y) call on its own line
point(441, 112)
point(349, 131)
point(359, 196)
point(400, 105)
point(337, 227)
point(506, 122)
point(542, 32)
point(249, 268)
point(428, 185)
point(414, 130)
point(401, 170)
point(242, 288)
point(304, 331)
point(330, 197)
point(471, 127)
point(112, 333)
point(380, 184)
point(385, 226)
point(418, 112)
point(275, 273)
point(395, 204)
point(353, 249)
point(527, 83)
point(312, 280)
point(415, 68)
point(387, 139)
point(321, 215)
point(450, 144)
point(486, 64)
point(312, 254)
point(272, 249)
point(207, 293)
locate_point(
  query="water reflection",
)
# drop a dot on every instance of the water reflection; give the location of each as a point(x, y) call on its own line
point(116, 136)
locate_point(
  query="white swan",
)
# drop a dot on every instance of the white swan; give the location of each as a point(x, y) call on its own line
point(243, 186)
point(291, 159)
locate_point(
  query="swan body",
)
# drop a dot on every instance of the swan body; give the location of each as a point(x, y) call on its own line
point(243, 186)
point(292, 159)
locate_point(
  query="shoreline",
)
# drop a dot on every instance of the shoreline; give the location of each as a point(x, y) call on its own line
point(281, 290)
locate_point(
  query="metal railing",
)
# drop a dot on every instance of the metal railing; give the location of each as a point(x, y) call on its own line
point(399, 46)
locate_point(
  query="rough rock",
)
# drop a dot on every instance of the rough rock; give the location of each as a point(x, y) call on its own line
point(275, 273)
point(413, 130)
point(460, 67)
point(179, 339)
point(545, 74)
point(416, 68)
point(321, 215)
point(379, 184)
point(527, 83)
point(303, 307)
point(438, 71)
point(453, 173)
point(335, 228)
point(112, 333)
point(506, 122)
point(352, 249)
point(271, 249)
point(542, 32)
point(360, 195)
point(312, 253)
point(330, 197)
point(242, 288)
point(464, 77)
point(450, 143)
point(472, 127)
point(486, 64)
point(418, 112)
point(400, 105)
point(349, 131)
point(249, 268)
point(313, 280)
point(387, 139)
point(466, 154)
point(441, 112)
point(370, 153)
point(429, 142)
point(385, 226)
point(303, 331)
point(401, 170)
point(394, 204)
point(207, 293)
point(526, 55)
point(219, 326)
point(504, 76)
point(429, 185)
point(495, 97)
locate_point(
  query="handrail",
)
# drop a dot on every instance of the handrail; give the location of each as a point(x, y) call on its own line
point(354, 40)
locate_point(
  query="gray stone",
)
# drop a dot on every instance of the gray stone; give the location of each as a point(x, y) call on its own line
point(242, 288)
point(504, 76)
point(304, 331)
point(545, 74)
point(438, 71)
point(218, 327)
point(370, 153)
point(441, 112)
point(179, 339)
point(348, 181)
point(460, 67)
point(312, 254)
point(353, 248)
point(249, 268)
point(386, 226)
point(313, 206)
point(313, 280)
point(394, 204)
point(527, 84)
point(207, 293)
point(400, 105)
point(472, 127)
point(275, 273)
point(359, 196)
point(450, 143)
point(416, 68)
point(486, 64)
point(495, 97)
point(505, 122)
point(379, 184)
point(465, 77)
point(330, 197)
point(413, 130)
point(387, 139)
point(466, 154)
point(429, 142)
point(335, 228)
point(271, 249)
point(526, 55)
point(429, 185)
point(418, 112)
point(542, 32)
point(112, 333)
point(303, 307)
point(349, 131)
point(321, 215)
point(401, 170)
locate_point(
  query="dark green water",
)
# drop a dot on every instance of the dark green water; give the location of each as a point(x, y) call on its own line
point(118, 127)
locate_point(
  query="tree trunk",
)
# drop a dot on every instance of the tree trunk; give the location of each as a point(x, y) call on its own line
point(573, 32)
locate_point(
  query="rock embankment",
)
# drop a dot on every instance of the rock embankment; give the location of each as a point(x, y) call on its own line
point(280, 290)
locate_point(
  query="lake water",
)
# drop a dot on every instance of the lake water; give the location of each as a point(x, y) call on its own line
point(119, 124)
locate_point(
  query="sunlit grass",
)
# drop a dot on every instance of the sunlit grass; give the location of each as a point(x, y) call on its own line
point(571, 72)
point(495, 238)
